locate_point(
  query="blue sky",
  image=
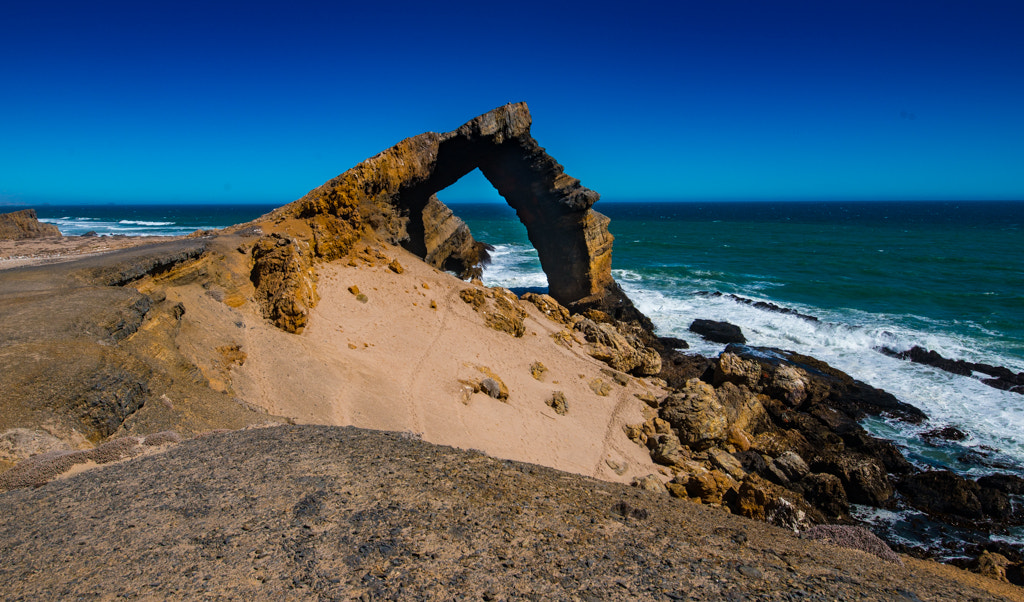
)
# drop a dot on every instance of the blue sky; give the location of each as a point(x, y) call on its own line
point(228, 102)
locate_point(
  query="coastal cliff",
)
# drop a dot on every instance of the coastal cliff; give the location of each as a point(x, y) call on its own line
point(334, 310)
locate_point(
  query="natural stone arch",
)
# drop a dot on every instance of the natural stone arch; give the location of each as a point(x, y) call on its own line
point(572, 240)
point(389, 191)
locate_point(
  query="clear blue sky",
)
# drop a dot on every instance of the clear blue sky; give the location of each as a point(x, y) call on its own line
point(253, 102)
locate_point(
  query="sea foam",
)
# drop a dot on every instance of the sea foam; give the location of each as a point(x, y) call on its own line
point(846, 339)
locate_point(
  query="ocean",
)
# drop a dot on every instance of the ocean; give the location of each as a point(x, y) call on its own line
point(947, 276)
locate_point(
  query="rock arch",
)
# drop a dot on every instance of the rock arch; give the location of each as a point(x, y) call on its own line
point(388, 192)
point(392, 188)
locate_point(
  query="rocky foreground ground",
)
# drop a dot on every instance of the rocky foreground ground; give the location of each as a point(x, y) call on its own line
point(338, 513)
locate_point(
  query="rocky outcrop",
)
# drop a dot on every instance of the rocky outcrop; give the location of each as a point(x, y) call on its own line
point(620, 346)
point(22, 224)
point(449, 243)
point(392, 195)
point(283, 275)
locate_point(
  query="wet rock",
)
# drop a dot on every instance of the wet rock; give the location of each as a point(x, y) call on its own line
point(1007, 483)
point(718, 332)
point(943, 492)
point(810, 381)
point(946, 433)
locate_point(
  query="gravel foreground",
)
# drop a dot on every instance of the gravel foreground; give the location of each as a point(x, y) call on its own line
point(339, 513)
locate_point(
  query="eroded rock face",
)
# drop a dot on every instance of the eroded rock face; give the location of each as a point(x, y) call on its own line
point(22, 224)
point(285, 282)
point(449, 243)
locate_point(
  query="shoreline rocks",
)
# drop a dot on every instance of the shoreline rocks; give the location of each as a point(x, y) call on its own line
point(23, 224)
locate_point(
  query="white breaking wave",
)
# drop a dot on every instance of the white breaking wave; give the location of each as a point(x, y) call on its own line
point(144, 223)
point(514, 266)
point(76, 226)
point(848, 340)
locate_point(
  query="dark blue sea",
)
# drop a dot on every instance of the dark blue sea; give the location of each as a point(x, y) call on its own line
point(947, 276)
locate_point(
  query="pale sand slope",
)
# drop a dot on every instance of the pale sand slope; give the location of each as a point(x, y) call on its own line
point(404, 371)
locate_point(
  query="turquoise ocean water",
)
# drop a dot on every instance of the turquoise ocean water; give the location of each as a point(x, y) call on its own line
point(945, 276)
point(948, 276)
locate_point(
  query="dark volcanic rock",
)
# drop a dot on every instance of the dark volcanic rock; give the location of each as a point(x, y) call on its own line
point(863, 478)
point(763, 305)
point(943, 492)
point(1001, 378)
point(23, 224)
point(945, 433)
point(718, 332)
point(677, 368)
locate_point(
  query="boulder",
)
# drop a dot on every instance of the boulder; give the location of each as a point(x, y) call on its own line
point(696, 414)
point(621, 349)
point(549, 307)
point(677, 368)
point(18, 225)
point(825, 492)
point(863, 477)
point(792, 466)
point(991, 565)
point(718, 332)
point(500, 308)
point(710, 487)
